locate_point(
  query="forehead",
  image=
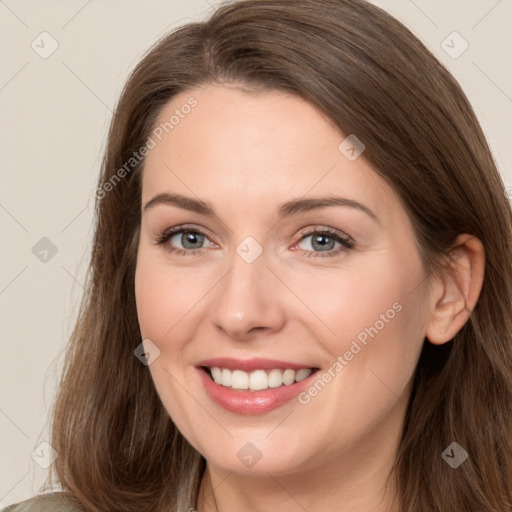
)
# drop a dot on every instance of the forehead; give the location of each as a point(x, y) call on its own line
point(253, 149)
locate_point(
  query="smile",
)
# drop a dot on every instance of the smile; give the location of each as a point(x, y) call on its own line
point(253, 386)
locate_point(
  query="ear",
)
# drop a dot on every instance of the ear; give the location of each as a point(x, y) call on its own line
point(456, 289)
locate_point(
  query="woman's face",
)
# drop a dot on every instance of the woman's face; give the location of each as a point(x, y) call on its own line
point(290, 260)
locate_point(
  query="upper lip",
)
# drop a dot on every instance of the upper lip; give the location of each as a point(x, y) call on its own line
point(249, 365)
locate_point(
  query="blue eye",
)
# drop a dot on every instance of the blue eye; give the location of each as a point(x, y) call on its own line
point(324, 241)
point(189, 239)
point(192, 240)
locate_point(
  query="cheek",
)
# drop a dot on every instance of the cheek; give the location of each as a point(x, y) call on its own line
point(379, 334)
point(163, 300)
point(163, 295)
point(350, 300)
point(376, 315)
point(152, 296)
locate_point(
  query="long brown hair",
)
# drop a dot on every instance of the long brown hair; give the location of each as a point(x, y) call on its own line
point(118, 448)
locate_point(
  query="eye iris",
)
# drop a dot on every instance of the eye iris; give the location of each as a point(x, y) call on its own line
point(323, 245)
point(188, 237)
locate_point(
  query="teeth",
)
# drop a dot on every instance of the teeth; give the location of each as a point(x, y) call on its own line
point(239, 379)
point(302, 374)
point(258, 379)
point(288, 377)
point(226, 377)
point(217, 375)
point(275, 378)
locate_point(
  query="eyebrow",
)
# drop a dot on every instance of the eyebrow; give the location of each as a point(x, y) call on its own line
point(287, 209)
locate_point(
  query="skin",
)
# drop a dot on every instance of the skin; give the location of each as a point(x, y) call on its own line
point(246, 153)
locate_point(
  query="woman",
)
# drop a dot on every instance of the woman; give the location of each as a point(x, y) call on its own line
point(300, 285)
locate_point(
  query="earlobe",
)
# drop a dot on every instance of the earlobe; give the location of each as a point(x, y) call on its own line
point(458, 286)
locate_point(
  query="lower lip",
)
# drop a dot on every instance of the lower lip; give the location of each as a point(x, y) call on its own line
point(251, 402)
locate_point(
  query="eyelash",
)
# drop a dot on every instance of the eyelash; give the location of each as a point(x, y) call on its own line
point(345, 241)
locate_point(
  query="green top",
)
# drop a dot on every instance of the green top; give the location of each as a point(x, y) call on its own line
point(50, 502)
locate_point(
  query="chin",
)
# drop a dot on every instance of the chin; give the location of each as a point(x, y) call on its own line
point(257, 457)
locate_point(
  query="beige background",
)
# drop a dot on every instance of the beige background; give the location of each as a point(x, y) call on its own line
point(55, 114)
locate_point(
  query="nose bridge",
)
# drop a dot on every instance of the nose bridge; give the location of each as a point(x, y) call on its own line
point(244, 300)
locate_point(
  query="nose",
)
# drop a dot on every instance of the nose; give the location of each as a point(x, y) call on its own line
point(248, 301)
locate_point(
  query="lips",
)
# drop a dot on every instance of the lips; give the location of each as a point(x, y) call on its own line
point(249, 365)
point(254, 386)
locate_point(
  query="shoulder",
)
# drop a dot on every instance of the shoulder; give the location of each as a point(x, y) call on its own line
point(50, 502)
